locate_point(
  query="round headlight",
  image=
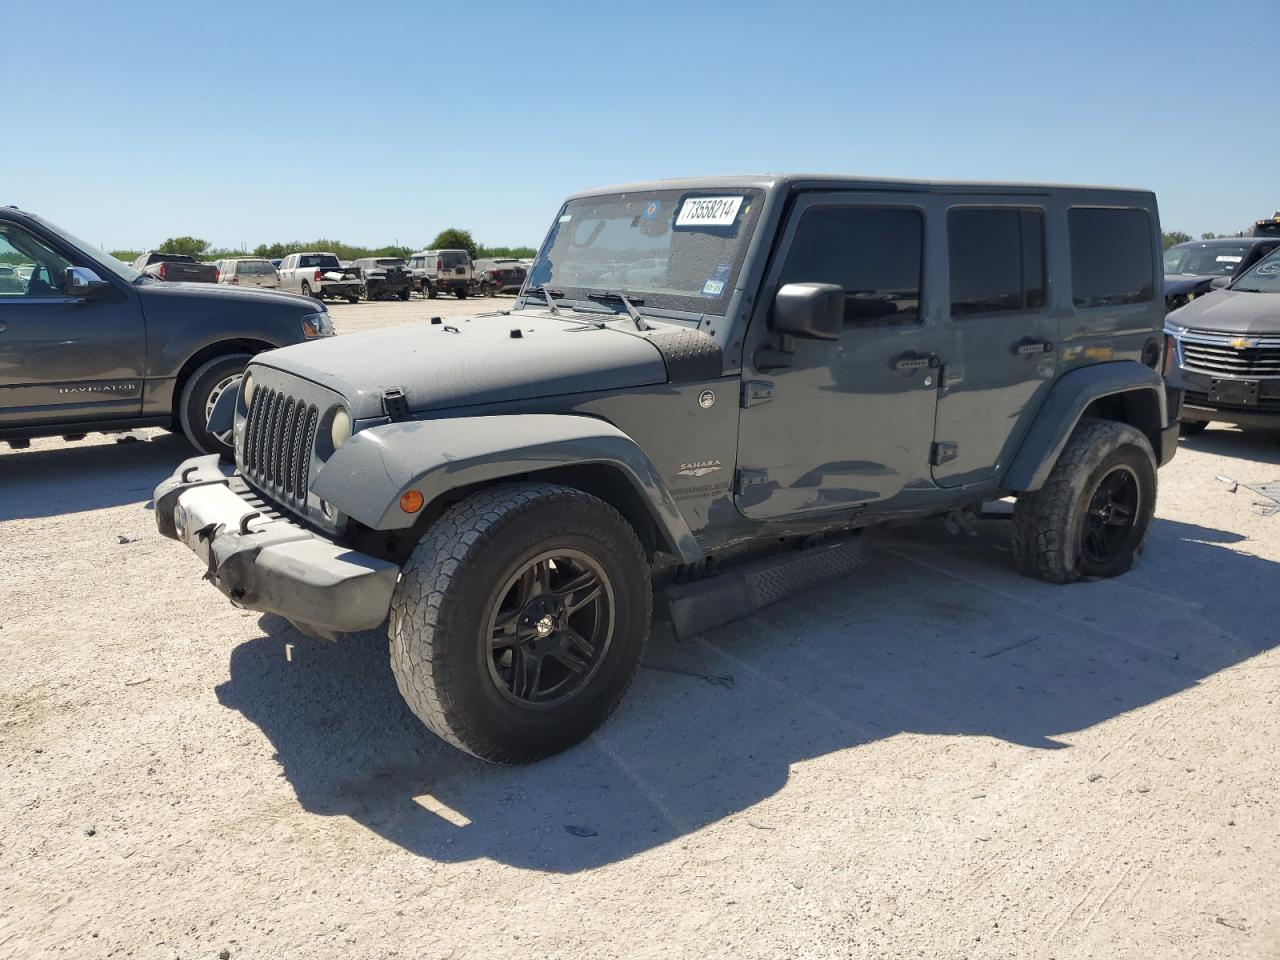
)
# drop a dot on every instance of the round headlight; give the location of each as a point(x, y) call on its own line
point(246, 389)
point(340, 430)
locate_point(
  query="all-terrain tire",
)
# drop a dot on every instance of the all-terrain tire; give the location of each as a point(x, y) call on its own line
point(1049, 524)
point(194, 401)
point(439, 624)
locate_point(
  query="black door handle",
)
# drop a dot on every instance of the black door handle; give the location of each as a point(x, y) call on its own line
point(915, 361)
point(1030, 347)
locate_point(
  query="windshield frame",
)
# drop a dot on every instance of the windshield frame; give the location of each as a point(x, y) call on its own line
point(674, 305)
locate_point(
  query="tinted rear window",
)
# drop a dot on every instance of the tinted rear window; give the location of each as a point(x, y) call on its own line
point(316, 260)
point(996, 259)
point(1110, 256)
point(254, 268)
point(455, 258)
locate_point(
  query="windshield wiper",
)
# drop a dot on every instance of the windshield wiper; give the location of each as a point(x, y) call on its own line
point(609, 296)
point(547, 294)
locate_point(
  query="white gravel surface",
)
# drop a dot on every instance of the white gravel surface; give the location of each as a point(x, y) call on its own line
point(937, 759)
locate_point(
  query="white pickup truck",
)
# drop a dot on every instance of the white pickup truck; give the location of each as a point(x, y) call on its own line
point(318, 275)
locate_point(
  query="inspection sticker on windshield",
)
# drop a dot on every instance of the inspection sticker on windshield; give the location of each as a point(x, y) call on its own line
point(709, 211)
point(1230, 259)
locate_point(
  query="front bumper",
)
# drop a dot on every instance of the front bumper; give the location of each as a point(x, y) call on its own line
point(268, 563)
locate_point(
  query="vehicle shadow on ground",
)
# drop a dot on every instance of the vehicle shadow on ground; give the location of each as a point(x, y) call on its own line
point(1259, 446)
point(938, 636)
point(72, 479)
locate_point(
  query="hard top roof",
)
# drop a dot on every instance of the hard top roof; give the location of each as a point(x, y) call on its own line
point(827, 181)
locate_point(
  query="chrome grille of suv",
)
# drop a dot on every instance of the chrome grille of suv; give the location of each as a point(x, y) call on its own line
point(1239, 356)
point(279, 435)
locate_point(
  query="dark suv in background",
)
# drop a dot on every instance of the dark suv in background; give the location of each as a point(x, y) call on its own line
point(1225, 351)
point(88, 344)
point(1194, 268)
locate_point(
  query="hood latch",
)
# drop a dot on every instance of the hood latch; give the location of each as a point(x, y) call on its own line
point(395, 405)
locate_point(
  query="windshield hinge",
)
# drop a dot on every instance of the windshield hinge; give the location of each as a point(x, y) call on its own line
point(747, 477)
point(395, 405)
point(944, 452)
point(756, 392)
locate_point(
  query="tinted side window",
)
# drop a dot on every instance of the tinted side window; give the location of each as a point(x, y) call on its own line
point(874, 253)
point(1110, 256)
point(996, 259)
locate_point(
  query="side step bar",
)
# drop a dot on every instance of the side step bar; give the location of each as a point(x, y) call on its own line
point(741, 591)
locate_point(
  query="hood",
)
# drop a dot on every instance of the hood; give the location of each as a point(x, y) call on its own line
point(220, 293)
point(1230, 311)
point(470, 361)
point(1176, 283)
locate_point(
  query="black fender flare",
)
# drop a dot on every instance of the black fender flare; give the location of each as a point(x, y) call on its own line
point(367, 475)
point(1066, 403)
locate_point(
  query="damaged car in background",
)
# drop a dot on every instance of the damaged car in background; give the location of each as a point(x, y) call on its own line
point(1225, 351)
point(1193, 268)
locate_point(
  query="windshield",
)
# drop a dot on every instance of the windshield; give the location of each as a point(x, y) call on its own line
point(104, 259)
point(678, 249)
point(1262, 277)
point(1215, 260)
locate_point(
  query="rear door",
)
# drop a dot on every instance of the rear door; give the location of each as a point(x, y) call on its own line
point(64, 359)
point(1004, 352)
point(847, 423)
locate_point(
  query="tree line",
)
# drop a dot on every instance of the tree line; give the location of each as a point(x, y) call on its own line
point(450, 239)
point(1171, 237)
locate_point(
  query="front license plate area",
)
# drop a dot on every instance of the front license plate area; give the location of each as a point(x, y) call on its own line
point(1242, 392)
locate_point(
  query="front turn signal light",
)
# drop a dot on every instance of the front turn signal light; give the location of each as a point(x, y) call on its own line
point(411, 501)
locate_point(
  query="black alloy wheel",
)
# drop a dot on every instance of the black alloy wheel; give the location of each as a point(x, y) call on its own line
point(549, 627)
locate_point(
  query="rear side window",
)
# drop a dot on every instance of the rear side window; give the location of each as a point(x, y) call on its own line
point(996, 258)
point(874, 253)
point(1110, 256)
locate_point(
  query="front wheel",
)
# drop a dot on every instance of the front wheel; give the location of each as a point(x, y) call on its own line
point(201, 391)
point(404, 294)
point(1091, 517)
point(519, 620)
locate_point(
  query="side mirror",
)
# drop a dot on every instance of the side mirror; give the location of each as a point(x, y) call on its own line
point(811, 311)
point(83, 282)
point(1217, 283)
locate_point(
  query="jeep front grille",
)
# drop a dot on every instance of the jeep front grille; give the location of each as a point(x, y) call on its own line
point(279, 435)
point(1238, 356)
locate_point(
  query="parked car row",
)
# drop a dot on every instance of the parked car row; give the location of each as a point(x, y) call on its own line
point(322, 275)
point(1223, 328)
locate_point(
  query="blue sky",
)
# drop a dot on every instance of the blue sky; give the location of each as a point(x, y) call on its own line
point(130, 123)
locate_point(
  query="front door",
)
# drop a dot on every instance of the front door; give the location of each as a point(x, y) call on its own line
point(1004, 354)
point(62, 358)
point(850, 422)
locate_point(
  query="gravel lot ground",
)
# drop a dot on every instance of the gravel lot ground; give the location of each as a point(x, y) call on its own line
point(939, 759)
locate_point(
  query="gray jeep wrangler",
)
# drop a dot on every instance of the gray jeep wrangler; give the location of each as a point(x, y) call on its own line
point(711, 386)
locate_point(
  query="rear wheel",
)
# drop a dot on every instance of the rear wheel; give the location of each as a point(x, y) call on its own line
point(429, 289)
point(520, 619)
point(306, 289)
point(201, 391)
point(1091, 517)
point(353, 297)
point(460, 293)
